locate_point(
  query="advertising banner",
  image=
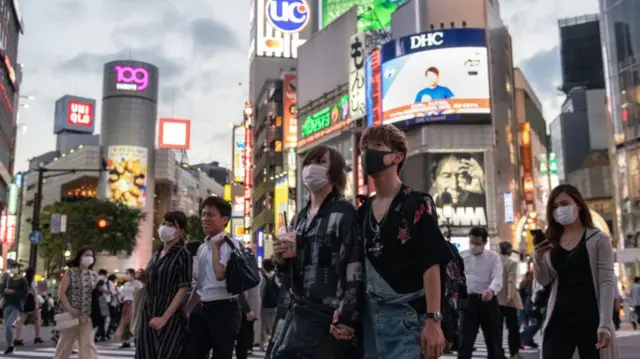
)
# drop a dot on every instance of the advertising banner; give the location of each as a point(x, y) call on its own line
point(436, 76)
point(372, 14)
point(280, 202)
point(290, 110)
point(462, 175)
point(238, 154)
point(237, 206)
point(528, 184)
point(174, 134)
point(357, 95)
point(8, 229)
point(281, 27)
point(328, 120)
point(248, 173)
point(373, 88)
point(127, 175)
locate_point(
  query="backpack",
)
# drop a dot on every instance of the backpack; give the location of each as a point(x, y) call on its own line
point(242, 269)
point(271, 292)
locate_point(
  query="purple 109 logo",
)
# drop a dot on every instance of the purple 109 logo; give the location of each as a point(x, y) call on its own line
point(131, 78)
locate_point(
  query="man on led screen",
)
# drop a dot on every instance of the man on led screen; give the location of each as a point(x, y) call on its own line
point(462, 176)
point(434, 91)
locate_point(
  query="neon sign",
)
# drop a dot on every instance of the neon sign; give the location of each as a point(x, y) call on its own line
point(326, 117)
point(80, 113)
point(131, 78)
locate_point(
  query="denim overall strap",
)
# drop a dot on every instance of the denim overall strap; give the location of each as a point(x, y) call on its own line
point(392, 327)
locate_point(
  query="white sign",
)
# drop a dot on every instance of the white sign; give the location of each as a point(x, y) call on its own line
point(357, 96)
point(63, 223)
point(426, 40)
point(270, 41)
point(508, 207)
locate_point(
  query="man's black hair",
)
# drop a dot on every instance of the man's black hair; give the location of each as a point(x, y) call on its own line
point(103, 272)
point(223, 207)
point(479, 232)
point(268, 265)
point(636, 279)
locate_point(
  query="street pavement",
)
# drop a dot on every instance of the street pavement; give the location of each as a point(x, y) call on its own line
point(628, 342)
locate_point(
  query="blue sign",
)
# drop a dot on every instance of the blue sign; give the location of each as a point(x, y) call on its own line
point(35, 237)
point(18, 179)
point(288, 16)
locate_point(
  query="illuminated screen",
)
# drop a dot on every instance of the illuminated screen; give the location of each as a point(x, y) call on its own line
point(127, 175)
point(372, 14)
point(436, 76)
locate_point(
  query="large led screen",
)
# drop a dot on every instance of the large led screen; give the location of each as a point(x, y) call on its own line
point(372, 14)
point(127, 175)
point(436, 76)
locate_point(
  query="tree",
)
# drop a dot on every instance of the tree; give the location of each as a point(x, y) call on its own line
point(194, 229)
point(118, 236)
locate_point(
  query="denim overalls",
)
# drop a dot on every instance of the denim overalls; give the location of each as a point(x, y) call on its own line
point(392, 328)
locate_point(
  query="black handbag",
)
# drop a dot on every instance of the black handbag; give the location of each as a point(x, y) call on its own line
point(242, 269)
point(306, 335)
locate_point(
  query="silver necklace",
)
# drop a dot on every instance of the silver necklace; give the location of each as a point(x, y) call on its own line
point(376, 250)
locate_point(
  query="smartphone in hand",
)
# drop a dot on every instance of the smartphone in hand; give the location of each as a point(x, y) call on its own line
point(289, 236)
point(538, 236)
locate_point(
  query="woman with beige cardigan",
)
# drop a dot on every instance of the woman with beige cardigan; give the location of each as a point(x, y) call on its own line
point(578, 260)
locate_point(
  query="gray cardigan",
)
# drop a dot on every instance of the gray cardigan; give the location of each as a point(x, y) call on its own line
point(601, 261)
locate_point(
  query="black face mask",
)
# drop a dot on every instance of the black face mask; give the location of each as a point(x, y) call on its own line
point(372, 161)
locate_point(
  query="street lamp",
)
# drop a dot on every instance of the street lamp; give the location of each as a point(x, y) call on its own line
point(447, 211)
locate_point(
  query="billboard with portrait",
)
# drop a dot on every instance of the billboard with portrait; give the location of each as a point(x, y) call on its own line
point(127, 175)
point(436, 76)
point(462, 176)
point(130, 78)
point(372, 14)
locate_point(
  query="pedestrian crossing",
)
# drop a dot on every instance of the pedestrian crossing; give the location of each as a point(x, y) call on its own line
point(481, 349)
point(105, 351)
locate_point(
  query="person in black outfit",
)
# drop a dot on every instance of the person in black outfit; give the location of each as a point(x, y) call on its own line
point(244, 341)
point(575, 317)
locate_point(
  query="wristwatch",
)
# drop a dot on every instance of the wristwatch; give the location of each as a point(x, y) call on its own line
point(436, 317)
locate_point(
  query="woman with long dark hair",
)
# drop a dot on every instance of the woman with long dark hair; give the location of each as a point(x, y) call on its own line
point(31, 312)
point(322, 255)
point(576, 258)
point(75, 293)
point(163, 327)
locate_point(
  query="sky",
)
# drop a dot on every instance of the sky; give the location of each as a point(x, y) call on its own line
point(201, 49)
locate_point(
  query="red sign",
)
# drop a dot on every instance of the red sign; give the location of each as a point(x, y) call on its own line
point(174, 134)
point(376, 85)
point(80, 113)
point(8, 229)
point(527, 164)
point(248, 174)
point(290, 110)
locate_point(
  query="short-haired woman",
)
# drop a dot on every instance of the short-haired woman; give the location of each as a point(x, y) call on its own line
point(328, 262)
point(576, 258)
point(75, 292)
point(164, 326)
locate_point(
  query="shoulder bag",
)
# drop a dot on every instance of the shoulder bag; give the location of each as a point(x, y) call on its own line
point(242, 269)
point(305, 333)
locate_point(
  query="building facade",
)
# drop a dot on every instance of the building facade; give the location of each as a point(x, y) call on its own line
point(620, 30)
point(10, 80)
point(581, 53)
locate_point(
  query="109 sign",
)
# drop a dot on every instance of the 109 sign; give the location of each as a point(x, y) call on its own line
point(131, 78)
point(288, 16)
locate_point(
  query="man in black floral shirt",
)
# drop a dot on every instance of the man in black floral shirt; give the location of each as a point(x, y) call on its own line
point(404, 251)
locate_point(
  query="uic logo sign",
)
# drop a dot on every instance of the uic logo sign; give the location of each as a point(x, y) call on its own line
point(288, 16)
point(131, 78)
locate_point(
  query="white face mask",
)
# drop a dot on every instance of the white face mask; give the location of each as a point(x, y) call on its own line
point(166, 233)
point(564, 215)
point(315, 177)
point(14, 271)
point(476, 249)
point(86, 261)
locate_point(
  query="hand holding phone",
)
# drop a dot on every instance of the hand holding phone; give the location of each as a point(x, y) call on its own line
point(541, 243)
point(286, 243)
point(538, 236)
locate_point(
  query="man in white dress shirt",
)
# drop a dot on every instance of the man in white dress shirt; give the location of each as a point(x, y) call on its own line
point(215, 313)
point(483, 270)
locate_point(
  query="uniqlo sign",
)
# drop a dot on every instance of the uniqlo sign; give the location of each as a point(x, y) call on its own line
point(80, 113)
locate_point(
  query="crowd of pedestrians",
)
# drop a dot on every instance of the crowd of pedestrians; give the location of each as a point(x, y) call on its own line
point(377, 281)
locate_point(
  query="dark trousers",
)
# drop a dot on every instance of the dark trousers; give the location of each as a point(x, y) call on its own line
point(99, 322)
point(213, 327)
point(485, 315)
point(114, 319)
point(510, 316)
point(566, 332)
point(244, 342)
point(535, 322)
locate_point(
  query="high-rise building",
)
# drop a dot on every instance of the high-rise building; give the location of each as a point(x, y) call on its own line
point(620, 27)
point(581, 53)
point(11, 77)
